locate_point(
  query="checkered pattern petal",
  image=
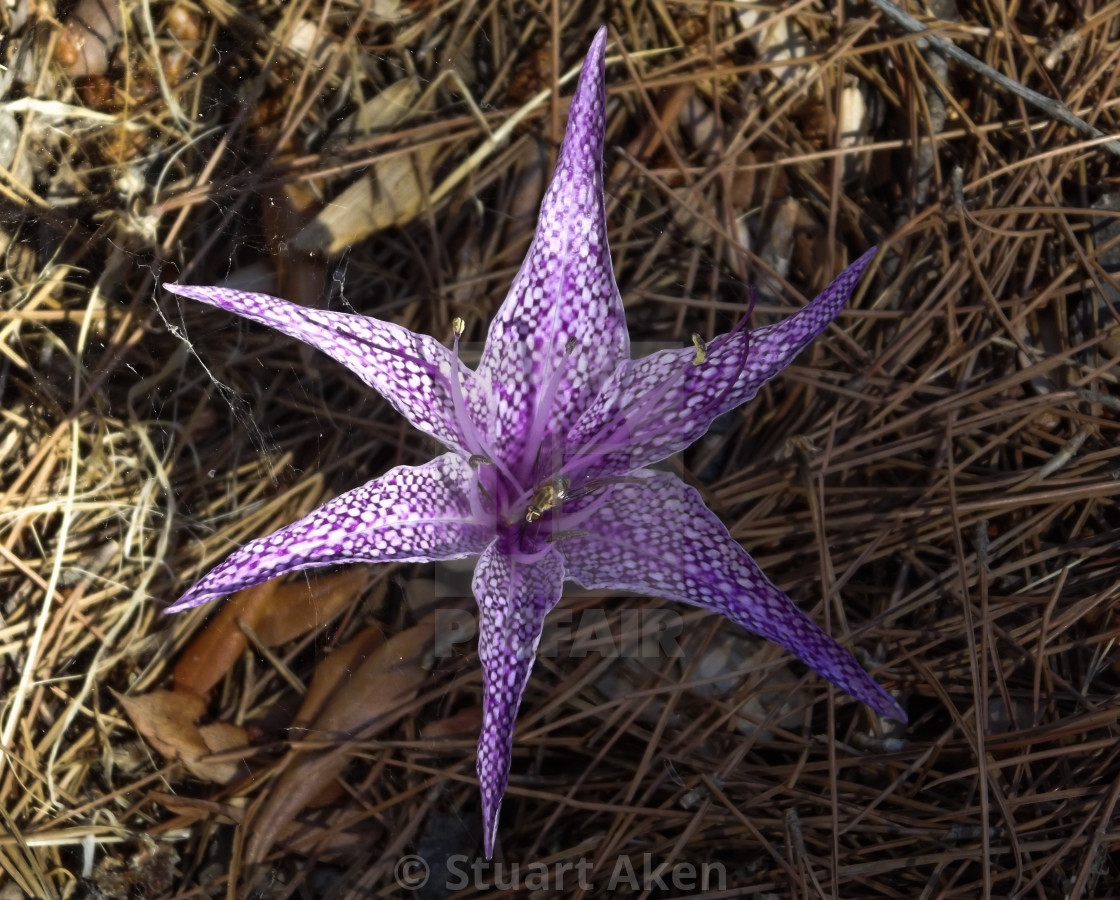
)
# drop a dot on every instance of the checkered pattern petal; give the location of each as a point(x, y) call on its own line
point(656, 536)
point(657, 405)
point(562, 329)
point(513, 598)
point(411, 371)
point(409, 514)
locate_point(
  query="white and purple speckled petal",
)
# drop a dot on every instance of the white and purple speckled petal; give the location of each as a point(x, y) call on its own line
point(409, 514)
point(409, 370)
point(513, 599)
point(562, 329)
point(657, 405)
point(657, 537)
point(774, 347)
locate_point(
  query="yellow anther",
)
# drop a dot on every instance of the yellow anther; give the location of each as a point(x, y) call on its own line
point(458, 325)
point(570, 346)
point(701, 350)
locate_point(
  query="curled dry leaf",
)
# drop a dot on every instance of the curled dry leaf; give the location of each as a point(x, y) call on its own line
point(88, 38)
point(777, 249)
point(212, 654)
point(362, 703)
point(296, 610)
point(276, 612)
point(394, 189)
point(777, 40)
point(166, 719)
point(856, 118)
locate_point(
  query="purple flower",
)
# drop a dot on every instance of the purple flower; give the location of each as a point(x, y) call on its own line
point(549, 441)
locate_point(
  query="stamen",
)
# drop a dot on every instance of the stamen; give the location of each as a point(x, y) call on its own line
point(701, 350)
point(462, 412)
point(477, 488)
point(544, 402)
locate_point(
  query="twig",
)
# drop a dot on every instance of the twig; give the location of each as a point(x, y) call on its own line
point(500, 134)
point(1051, 107)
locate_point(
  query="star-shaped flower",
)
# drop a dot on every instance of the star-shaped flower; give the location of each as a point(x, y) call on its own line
point(549, 442)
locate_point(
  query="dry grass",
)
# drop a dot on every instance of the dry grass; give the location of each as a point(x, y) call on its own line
point(942, 468)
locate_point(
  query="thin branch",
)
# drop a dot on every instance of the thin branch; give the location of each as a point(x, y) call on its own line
point(1051, 107)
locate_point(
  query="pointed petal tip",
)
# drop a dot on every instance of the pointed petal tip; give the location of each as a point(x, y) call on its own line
point(490, 828)
point(884, 704)
point(865, 259)
point(589, 95)
point(194, 292)
point(598, 43)
point(190, 600)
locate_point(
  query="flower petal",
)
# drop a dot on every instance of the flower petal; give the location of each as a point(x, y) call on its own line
point(656, 536)
point(411, 513)
point(565, 293)
point(513, 598)
point(411, 371)
point(657, 405)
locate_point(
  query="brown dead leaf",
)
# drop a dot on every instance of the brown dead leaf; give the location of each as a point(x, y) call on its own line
point(365, 703)
point(276, 612)
point(285, 211)
point(166, 719)
point(212, 654)
point(341, 839)
point(394, 189)
point(331, 671)
point(465, 722)
point(220, 736)
point(295, 610)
